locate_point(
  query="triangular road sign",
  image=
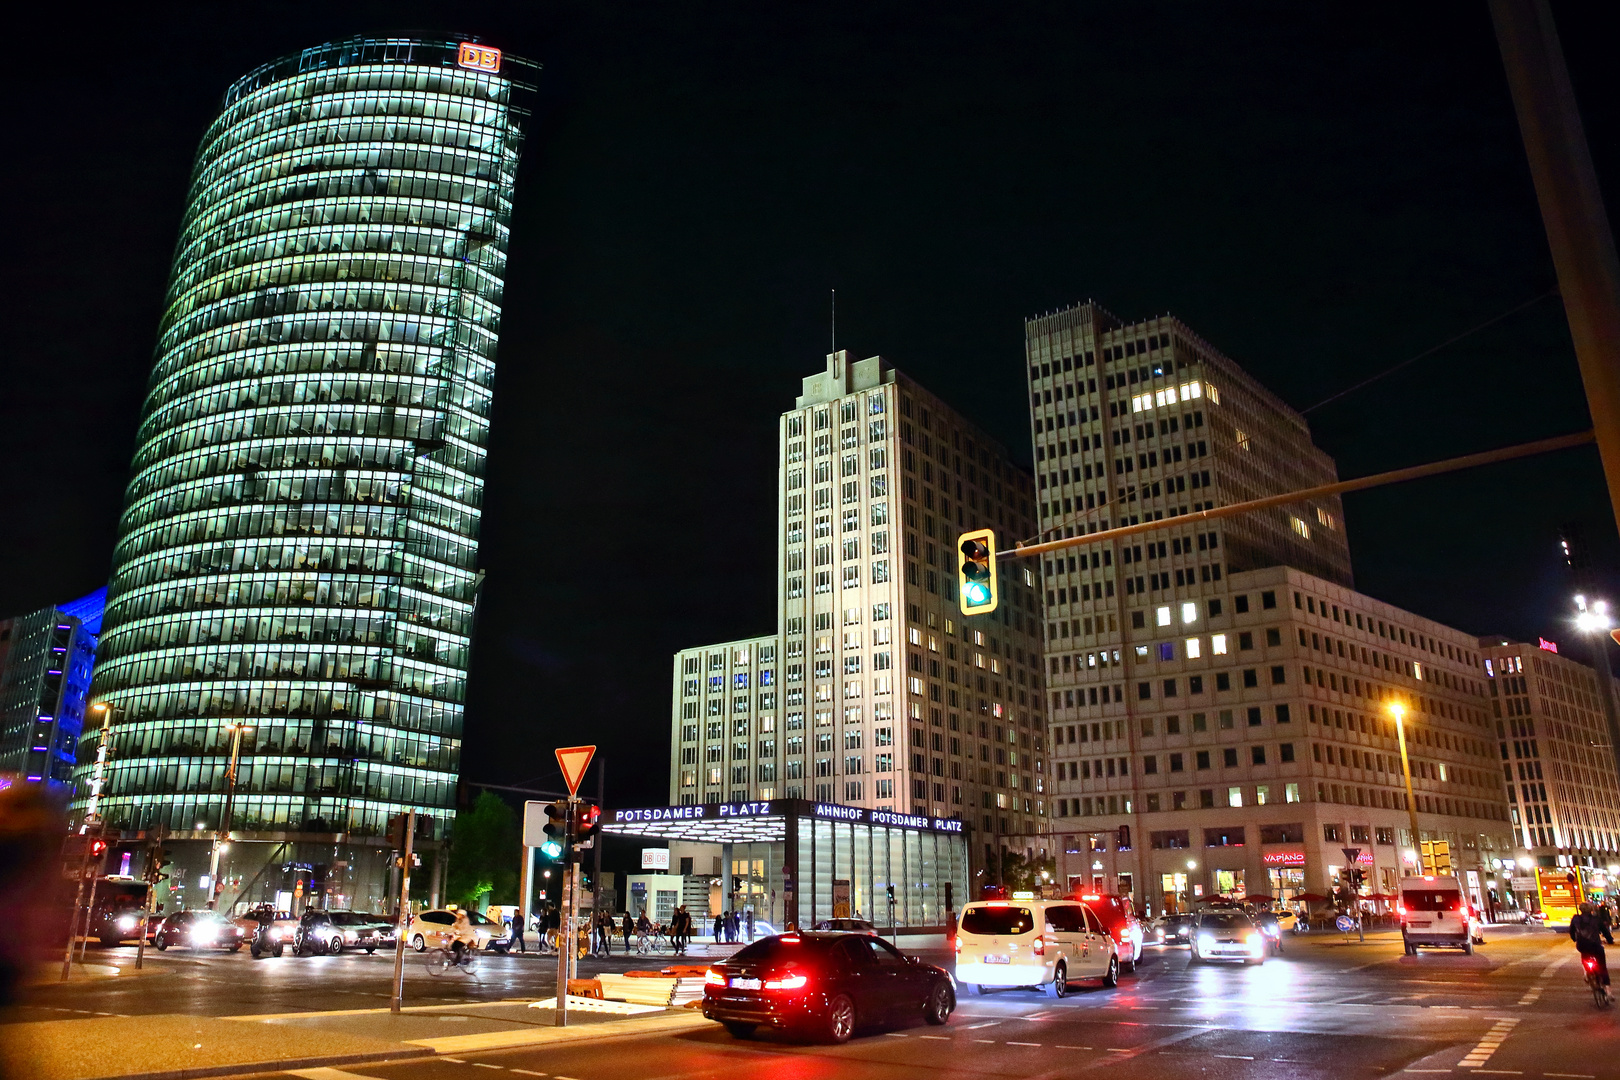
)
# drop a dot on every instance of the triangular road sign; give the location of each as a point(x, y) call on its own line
point(574, 761)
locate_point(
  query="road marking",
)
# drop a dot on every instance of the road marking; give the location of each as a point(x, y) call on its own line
point(1488, 1045)
point(1023, 1044)
point(329, 1074)
point(1573, 1076)
point(526, 1072)
point(1502, 1072)
point(458, 1061)
point(486, 1065)
point(1060, 1046)
point(897, 1035)
point(937, 1038)
point(990, 1041)
point(1426, 1070)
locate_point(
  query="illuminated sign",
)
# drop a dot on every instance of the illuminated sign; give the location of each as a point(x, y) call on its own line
point(1284, 858)
point(1550, 646)
point(478, 57)
point(782, 808)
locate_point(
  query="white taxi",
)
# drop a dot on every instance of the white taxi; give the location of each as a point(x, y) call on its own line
point(1043, 944)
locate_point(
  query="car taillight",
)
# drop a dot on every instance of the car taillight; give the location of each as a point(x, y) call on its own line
point(794, 981)
point(958, 944)
point(1400, 909)
point(713, 978)
point(1039, 949)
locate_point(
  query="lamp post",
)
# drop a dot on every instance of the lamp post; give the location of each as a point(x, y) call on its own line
point(1594, 622)
point(98, 776)
point(223, 829)
point(1398, 711)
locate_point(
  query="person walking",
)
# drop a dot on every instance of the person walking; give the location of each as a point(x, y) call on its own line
point(680, 930)
point(733, 924)
point(516, 941)
point(603, 924)
point(719, 927)
point(629, 927)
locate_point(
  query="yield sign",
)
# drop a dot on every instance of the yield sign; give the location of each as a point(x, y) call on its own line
point(574, 760)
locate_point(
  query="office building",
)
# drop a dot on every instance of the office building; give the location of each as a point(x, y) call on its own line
point(1219, 694)
point(1556, 758)
point(46, 659)
point(296, 565)
point(874, 692)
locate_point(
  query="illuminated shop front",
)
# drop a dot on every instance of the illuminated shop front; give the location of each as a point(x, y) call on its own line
point(296, 565)
point(797, 861)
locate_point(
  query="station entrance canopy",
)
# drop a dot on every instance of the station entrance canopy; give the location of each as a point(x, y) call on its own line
point(804, 861)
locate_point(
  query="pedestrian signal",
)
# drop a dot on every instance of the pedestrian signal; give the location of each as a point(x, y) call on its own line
point(976, 575)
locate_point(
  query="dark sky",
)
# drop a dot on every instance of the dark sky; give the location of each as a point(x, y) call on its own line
point(1321, 190)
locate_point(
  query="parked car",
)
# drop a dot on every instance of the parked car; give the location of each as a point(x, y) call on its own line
point(1043, 944)
point(432, 929)
point(1119, 919)
point(1228, 935)
point(198, 929)
point(824, 984)
point(330, 932)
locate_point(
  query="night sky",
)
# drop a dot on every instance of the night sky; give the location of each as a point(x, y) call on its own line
point(1322, 191)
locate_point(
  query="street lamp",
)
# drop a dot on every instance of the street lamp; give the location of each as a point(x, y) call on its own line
point(223, 829)
point(1398, 711)
point(1593, 621)
point(98, 776)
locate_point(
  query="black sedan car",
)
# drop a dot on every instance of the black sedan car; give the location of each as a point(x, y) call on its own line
point(198, 929)
point(824, 985)
point(1175, 929)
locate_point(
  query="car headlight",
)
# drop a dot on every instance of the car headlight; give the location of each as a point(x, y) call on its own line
point(350, 935)
point(127, 923)
point(1206, 941)
point(275, 933)
point(204, 933)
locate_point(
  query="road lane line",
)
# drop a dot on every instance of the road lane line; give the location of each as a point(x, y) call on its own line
point(1023, 1044)
point(1572, 1076)
point(897, 1035)
point(936, 1038)
point(329, 1074)
point(486, 1065)
point(526, 1072)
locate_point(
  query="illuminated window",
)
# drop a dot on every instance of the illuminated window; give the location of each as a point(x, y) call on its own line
point(1217, 644)
point(1242, 438)
point(1214, 394)
point(1327, 520)
point(1234, 796)
point(1162, 616)
point(1189, 612)
point(1194, 648)
point(1300, 526)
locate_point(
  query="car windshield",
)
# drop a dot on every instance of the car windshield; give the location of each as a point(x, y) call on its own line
point(776, 950)
point(1224, 921)
point(1430, 899)
point(352, 918)
point(479, 920)
point(997, 920)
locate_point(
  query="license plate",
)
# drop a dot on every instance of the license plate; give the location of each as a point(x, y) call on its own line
point(1416, 923)
point(998, 959)
point(745, 984)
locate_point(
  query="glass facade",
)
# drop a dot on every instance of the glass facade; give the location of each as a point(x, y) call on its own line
point(298, 548)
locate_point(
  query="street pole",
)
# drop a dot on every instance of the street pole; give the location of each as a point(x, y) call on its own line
point(152, 847)
point(404, 920)
point(78, 901)
point(1572, 211)
point(596, 844)
point(223, 827)
point(1406, 772)
point(565, 922)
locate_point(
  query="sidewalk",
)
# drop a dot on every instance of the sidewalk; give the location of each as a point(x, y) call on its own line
point(169, 1047)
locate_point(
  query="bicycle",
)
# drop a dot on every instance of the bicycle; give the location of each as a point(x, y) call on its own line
point(441, 960)
point(1594, 981)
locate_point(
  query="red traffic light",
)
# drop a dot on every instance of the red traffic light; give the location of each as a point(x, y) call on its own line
point(98, 848)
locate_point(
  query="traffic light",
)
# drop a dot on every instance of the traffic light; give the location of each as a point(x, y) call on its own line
point(587, 823)
point(891, 894)
point(156, 865)
point(976, 576)
point(98, 849)
point(556, 841)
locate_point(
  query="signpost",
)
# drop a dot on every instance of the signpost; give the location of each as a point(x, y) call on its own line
point(573, 760)
point(397, 991)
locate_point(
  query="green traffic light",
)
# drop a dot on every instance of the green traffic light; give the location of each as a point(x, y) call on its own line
point(551, 849)
point(977, 593)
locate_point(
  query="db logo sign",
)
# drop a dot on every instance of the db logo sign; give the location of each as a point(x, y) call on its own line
point(479, 57)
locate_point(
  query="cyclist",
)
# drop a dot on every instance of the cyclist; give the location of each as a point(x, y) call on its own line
point(462, 936)
point(1589, 931)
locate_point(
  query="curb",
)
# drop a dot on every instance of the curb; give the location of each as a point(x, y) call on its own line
point(609, 1029)
point(249, 1068)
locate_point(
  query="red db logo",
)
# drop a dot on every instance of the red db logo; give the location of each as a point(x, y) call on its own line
point(479, 57)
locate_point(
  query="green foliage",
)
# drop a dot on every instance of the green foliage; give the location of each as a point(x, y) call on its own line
point(485, 852)
point(1019, 873)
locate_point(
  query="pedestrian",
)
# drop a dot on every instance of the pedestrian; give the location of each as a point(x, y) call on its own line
point(736, 925)
point(750, 924)
point(629, 928)
point(517, 933)
point(643, 928)
point(682, 929)
point(719, 927)
point(602, 923)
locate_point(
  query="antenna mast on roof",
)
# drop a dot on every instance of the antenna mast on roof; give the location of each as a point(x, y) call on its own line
point(835, 320)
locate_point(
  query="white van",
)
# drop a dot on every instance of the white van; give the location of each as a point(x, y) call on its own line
point(1035, 943)
point(1435, 913)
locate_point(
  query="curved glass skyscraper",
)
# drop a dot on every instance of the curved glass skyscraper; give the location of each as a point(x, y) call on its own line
point(296, 570)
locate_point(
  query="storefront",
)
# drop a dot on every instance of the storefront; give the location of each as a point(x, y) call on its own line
point(796, 861)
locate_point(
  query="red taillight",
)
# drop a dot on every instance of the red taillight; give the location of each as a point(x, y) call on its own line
point(1589, 963)
point(958, 944)
point(713, 978)
point(1400, 909)
point(792, 981)
point(1039, 948)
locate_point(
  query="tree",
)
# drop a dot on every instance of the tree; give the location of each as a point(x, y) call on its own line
point(485, 851)
point(1024, 874)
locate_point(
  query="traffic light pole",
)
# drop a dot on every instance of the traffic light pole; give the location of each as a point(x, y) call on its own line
point(78, 900)
point(397, 994)
point(565, 922)
point(154, 846)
